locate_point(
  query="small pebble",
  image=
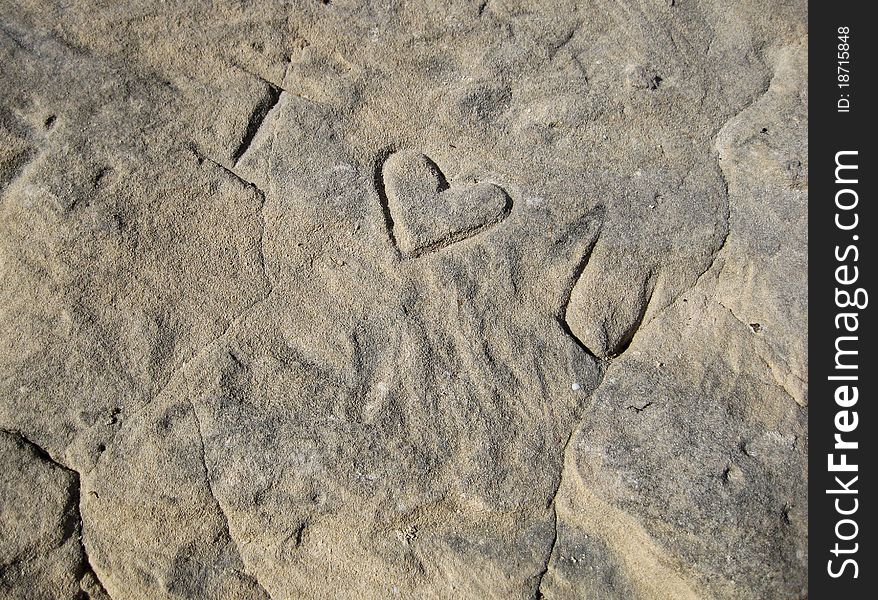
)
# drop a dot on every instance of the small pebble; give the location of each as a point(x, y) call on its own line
point(575, 387)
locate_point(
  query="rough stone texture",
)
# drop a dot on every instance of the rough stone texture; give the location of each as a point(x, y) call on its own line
point(41, 552)
point(420, 300)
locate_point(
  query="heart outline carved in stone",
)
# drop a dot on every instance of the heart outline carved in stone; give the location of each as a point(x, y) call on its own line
point(424, 213)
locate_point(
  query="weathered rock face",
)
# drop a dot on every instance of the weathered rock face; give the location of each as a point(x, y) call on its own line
point(42, 551)
point(417, 300)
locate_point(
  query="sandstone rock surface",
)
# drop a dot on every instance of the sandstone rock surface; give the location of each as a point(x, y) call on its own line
point(476, 299)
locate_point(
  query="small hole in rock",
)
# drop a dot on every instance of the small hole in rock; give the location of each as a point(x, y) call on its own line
point(100, 176)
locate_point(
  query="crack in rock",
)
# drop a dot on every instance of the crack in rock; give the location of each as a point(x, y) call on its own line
point(578, 269)
point(538, 593)
point(269, 281)
point(257, 117)
point(226, 526)
point(85, 567)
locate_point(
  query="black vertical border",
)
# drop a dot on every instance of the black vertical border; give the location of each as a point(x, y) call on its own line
point(831, 131)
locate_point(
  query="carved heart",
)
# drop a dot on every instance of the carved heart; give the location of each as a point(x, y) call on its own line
point(427, 214)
